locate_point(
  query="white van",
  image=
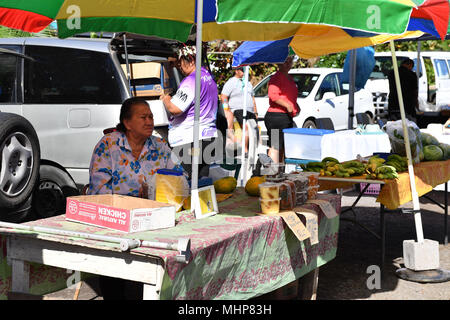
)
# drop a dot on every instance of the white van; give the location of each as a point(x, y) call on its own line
point(434, 84)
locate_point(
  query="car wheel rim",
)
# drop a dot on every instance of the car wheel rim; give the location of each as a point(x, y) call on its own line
point(49, 199)
point(16, 164)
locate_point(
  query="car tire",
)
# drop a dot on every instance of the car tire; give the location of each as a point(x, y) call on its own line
point(54, 186)
point(19, 160)
point(309, 124)
point(18, 215)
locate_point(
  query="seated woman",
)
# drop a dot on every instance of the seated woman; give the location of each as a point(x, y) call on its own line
point(125, 161)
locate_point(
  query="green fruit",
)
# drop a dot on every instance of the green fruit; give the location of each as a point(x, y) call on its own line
point(315, 164)
point(432, 153)
point(428, 139)
point(445, 149)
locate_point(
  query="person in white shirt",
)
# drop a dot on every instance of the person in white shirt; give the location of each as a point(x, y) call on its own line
point(232, 98)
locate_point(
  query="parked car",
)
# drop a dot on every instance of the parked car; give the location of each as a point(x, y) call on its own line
point(434, 84)
point(56, 98)
point(321, 94)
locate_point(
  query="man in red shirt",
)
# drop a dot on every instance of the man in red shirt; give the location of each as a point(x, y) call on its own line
point(283, 108)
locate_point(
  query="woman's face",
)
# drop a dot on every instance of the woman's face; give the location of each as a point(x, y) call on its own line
point(141, 122)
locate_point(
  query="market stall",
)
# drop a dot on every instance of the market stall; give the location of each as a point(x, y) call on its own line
point(237, 254)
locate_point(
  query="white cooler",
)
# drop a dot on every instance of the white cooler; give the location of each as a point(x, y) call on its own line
point(303, 143)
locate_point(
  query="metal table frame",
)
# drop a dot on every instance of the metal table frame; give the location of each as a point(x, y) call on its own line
point(382, 235)
point(23, 249)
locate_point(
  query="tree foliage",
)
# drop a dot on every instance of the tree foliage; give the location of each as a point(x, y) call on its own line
point(220, 55)
point(13, 33)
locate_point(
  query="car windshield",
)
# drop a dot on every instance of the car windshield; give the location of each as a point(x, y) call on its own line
point(305, 83)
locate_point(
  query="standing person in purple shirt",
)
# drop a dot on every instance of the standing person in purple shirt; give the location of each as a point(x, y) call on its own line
point(182, 110)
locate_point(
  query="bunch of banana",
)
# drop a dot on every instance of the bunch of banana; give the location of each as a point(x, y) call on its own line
point(331, 166)
point(354, 167)
point(328, 160)
point(372, 165)
point(314, 166)
point(349, 168)
point(386, 172)
point(398, 162)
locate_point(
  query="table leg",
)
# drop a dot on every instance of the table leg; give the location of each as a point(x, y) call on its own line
point(382, 237)
point(308, 285)
point(150, 292)
point(20, 276)
point(361, 193)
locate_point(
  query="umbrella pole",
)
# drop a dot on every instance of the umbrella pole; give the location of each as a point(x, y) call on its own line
point(415, 196)
point(126, 61)
point(421, 258)
point(351, 93)
point(244, 122)
point(196, 150)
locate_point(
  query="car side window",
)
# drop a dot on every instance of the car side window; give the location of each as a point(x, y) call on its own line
point(8, 77)
point(343, 87)
point(8, 83)
point(329, 84)
point(441, 68)
point(263, 89)
point(67, 75)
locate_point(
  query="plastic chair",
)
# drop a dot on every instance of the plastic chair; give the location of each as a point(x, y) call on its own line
point(363, 118)
point(251, 159)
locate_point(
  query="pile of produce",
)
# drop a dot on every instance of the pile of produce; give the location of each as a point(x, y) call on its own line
point(433, 150)
point(374, 168)
point(394, 130)
point(398, 162)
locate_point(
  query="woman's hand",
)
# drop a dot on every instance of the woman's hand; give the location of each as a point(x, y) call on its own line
point(143, 190)
point(297, 110)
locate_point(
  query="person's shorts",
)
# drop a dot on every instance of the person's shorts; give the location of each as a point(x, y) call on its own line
point(275, 123)
point(239, 115)
point(184, 155)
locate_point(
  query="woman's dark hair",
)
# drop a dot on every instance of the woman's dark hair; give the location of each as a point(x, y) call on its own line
point(126, 111)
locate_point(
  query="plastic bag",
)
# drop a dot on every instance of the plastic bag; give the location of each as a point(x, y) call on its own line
point(394, 130)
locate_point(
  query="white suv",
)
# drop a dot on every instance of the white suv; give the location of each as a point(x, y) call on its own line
point(56, 98)
point(321, 94)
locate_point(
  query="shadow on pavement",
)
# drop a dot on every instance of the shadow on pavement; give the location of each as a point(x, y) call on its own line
point(351, 275)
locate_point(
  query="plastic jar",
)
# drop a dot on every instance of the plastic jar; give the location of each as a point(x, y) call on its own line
point(270, 206)
point(171, 187)
point(269, 190)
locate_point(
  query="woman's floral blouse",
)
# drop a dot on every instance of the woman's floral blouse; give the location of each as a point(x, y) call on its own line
point(114, 170)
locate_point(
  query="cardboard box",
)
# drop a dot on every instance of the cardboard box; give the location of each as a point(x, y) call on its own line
point(118, 212)
point(143, 70)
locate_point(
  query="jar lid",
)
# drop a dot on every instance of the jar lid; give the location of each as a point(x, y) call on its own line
point(170, 172)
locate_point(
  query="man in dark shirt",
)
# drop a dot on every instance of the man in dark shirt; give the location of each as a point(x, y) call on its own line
point(408, 82)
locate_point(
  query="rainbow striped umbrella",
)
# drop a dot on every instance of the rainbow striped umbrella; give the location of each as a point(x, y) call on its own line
point(309, 21)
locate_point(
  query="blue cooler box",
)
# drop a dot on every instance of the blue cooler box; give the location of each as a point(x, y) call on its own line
point(302, 143)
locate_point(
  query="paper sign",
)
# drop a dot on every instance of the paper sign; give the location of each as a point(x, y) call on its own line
point(295, 224)
point(326, 208)
point(312, 224)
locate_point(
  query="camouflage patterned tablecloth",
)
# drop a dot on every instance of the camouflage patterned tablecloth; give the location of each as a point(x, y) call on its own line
point(236, 254)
